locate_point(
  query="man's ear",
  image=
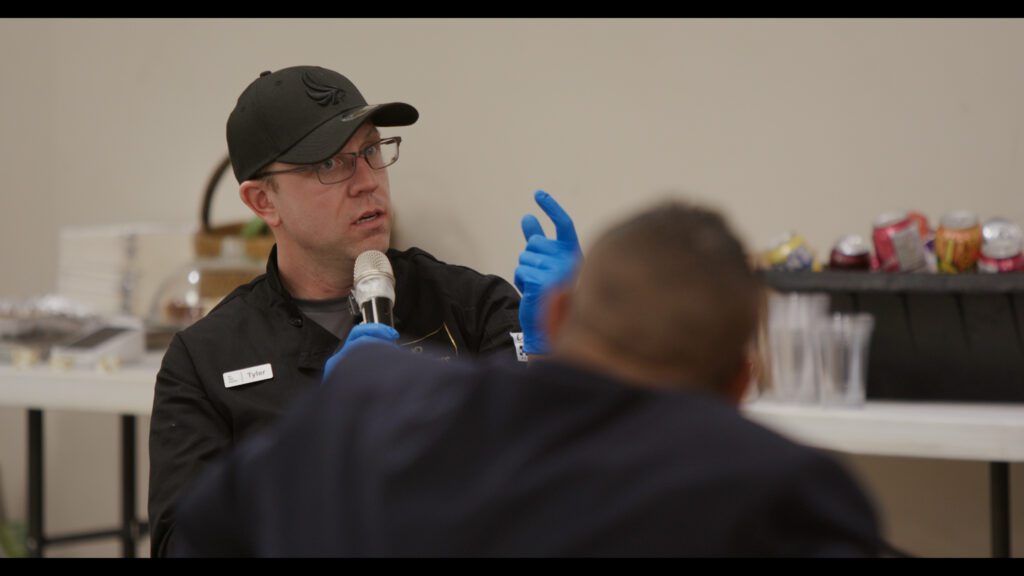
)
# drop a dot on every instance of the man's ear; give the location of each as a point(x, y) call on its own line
point(259, 197)
point(557, 302)
point(736, 387)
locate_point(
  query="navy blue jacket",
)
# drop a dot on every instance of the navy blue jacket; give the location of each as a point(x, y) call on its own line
point(421, 457)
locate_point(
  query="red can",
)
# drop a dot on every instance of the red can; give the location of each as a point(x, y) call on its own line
point(1000, 256)
point(850, 252)
point(898, 243)
point(922, 223)
point(958, 242)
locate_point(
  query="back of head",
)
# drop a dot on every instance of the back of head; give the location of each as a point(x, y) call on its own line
point(667, 295)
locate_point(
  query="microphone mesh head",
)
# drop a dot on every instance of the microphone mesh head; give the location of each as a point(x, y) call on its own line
point(370, 263)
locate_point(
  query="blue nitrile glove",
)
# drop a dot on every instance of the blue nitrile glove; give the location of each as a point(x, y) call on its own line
point(544, 264)
point(359, 335)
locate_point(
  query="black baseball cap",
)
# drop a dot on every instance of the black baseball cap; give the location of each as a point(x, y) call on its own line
point(301, 115)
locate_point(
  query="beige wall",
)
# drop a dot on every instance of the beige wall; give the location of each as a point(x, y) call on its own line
point(811, 125)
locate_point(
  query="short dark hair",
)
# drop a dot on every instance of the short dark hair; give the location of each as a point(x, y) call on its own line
point(271, 181)
point(671, 288)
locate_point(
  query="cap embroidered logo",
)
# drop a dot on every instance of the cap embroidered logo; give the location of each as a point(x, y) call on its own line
point(322, 94)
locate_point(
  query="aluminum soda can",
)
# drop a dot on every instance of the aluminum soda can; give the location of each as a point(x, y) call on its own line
point(1001, 256)
point(996, 228)
point(922, 223)
point(790, 252)
point(851, 252)
point(898, 243)
point(958, 242)
point(1001, 248)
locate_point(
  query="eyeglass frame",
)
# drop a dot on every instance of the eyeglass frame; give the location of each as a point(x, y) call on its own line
point(315, 167)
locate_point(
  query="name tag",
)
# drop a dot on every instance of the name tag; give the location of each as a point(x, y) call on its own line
point(248, 375)
point(517, 339)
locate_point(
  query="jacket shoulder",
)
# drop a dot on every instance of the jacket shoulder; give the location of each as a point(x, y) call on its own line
point(425, 262)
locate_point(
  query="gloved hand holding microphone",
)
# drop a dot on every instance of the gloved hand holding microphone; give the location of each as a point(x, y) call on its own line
point(373, 287)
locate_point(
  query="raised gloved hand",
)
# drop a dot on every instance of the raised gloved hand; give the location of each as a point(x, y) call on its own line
point(544, 264)
point(359, 335)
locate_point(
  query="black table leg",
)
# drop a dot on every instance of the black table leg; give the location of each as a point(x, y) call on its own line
point(129, 524)
point(999, 493)
point(130, 529)
point(35, 543)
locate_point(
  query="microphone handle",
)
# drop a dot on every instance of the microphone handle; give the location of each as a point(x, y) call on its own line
point(378, 310)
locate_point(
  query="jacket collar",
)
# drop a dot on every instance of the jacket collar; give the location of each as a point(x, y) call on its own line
point(315, 344)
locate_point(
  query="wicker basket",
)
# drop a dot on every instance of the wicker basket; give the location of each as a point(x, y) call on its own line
point(230, 259)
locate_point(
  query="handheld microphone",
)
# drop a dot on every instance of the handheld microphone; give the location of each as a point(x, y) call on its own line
point(373, 285)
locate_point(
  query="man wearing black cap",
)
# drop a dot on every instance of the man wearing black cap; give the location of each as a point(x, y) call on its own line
point(311, 163)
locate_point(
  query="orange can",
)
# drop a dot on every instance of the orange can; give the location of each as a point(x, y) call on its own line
point(958, 242)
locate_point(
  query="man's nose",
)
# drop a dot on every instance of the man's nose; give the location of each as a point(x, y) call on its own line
point(363, 179)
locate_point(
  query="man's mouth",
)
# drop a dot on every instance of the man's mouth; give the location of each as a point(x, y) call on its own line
point(369, 216)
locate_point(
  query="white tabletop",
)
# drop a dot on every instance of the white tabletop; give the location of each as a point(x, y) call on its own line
point(961, 431)
point(128, 390)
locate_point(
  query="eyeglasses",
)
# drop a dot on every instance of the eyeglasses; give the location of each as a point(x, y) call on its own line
point(342, 166)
